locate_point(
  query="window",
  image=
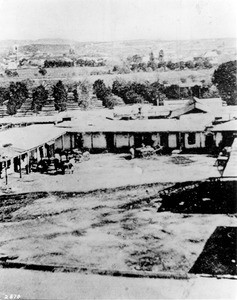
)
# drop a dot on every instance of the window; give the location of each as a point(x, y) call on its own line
point(192, 138)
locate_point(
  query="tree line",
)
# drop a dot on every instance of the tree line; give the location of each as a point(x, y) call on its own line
point(57, 63)
point(17, 93)
point(154, 93)
point(223, 84)
point(135, 63)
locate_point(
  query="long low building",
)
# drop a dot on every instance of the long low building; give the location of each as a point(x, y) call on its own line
point(115, 135)
point(192, 131)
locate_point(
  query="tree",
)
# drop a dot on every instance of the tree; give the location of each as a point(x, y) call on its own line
point(207, 64)
point(112, 100)
point(199, 63)
point(120, 88)
point(185, 93)
point(135, 59)
point(132, 97)
point(3, 94)
point(225, 80)
point(40, 97)
point(170, 65)
point(100, 89)
point(161, 56)
point(211, 93)
point(172, 91)
point(60, 96)
point(75, 95)
point(42, 71)
point(181, 65)
point(189, 64)
point(10, 73)
point(151, 63)
point(84, 88)
point(16, 95)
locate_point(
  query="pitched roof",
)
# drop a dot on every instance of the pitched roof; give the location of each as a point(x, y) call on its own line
point(188, 108)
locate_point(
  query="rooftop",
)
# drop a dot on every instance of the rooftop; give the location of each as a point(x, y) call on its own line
point(30, 119)
point(27, 138)
point(227, 126)
point(160, 125)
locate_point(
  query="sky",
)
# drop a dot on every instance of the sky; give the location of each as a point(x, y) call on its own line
point(111, 20)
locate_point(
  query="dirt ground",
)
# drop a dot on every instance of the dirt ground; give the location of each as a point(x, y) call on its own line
point(110, 229)
point(111, 170)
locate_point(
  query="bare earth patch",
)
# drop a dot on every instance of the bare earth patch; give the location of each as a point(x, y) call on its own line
point(110, 228)
point(75, 231)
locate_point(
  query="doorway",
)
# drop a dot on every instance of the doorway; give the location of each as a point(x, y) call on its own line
point(110, 141)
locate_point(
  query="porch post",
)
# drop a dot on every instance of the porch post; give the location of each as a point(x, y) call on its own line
point(20, 167)
point(6, 176)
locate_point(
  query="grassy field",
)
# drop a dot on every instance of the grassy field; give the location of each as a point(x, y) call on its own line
point(68, 75)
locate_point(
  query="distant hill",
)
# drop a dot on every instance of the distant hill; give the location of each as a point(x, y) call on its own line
point(54, 41)
point(120, 50)
point(49, 48)
point(43, 45)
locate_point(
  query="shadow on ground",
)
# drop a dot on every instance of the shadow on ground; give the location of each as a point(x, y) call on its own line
point(219, 255)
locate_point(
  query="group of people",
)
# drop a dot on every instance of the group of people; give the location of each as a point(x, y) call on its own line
point(63, 162)
point(58, 162)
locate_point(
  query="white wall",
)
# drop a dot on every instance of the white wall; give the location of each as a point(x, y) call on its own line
point(172, 140)
point(203, 140)
point(218, 138)
point(38, 154)
point(197, 144)
point(10, 169)
point(66, 141)
point(44, 151)
point(99, 141)
point(59, 143)
point(87, 140)
point(73, 140)
point(131, 140)
point(122, 140)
